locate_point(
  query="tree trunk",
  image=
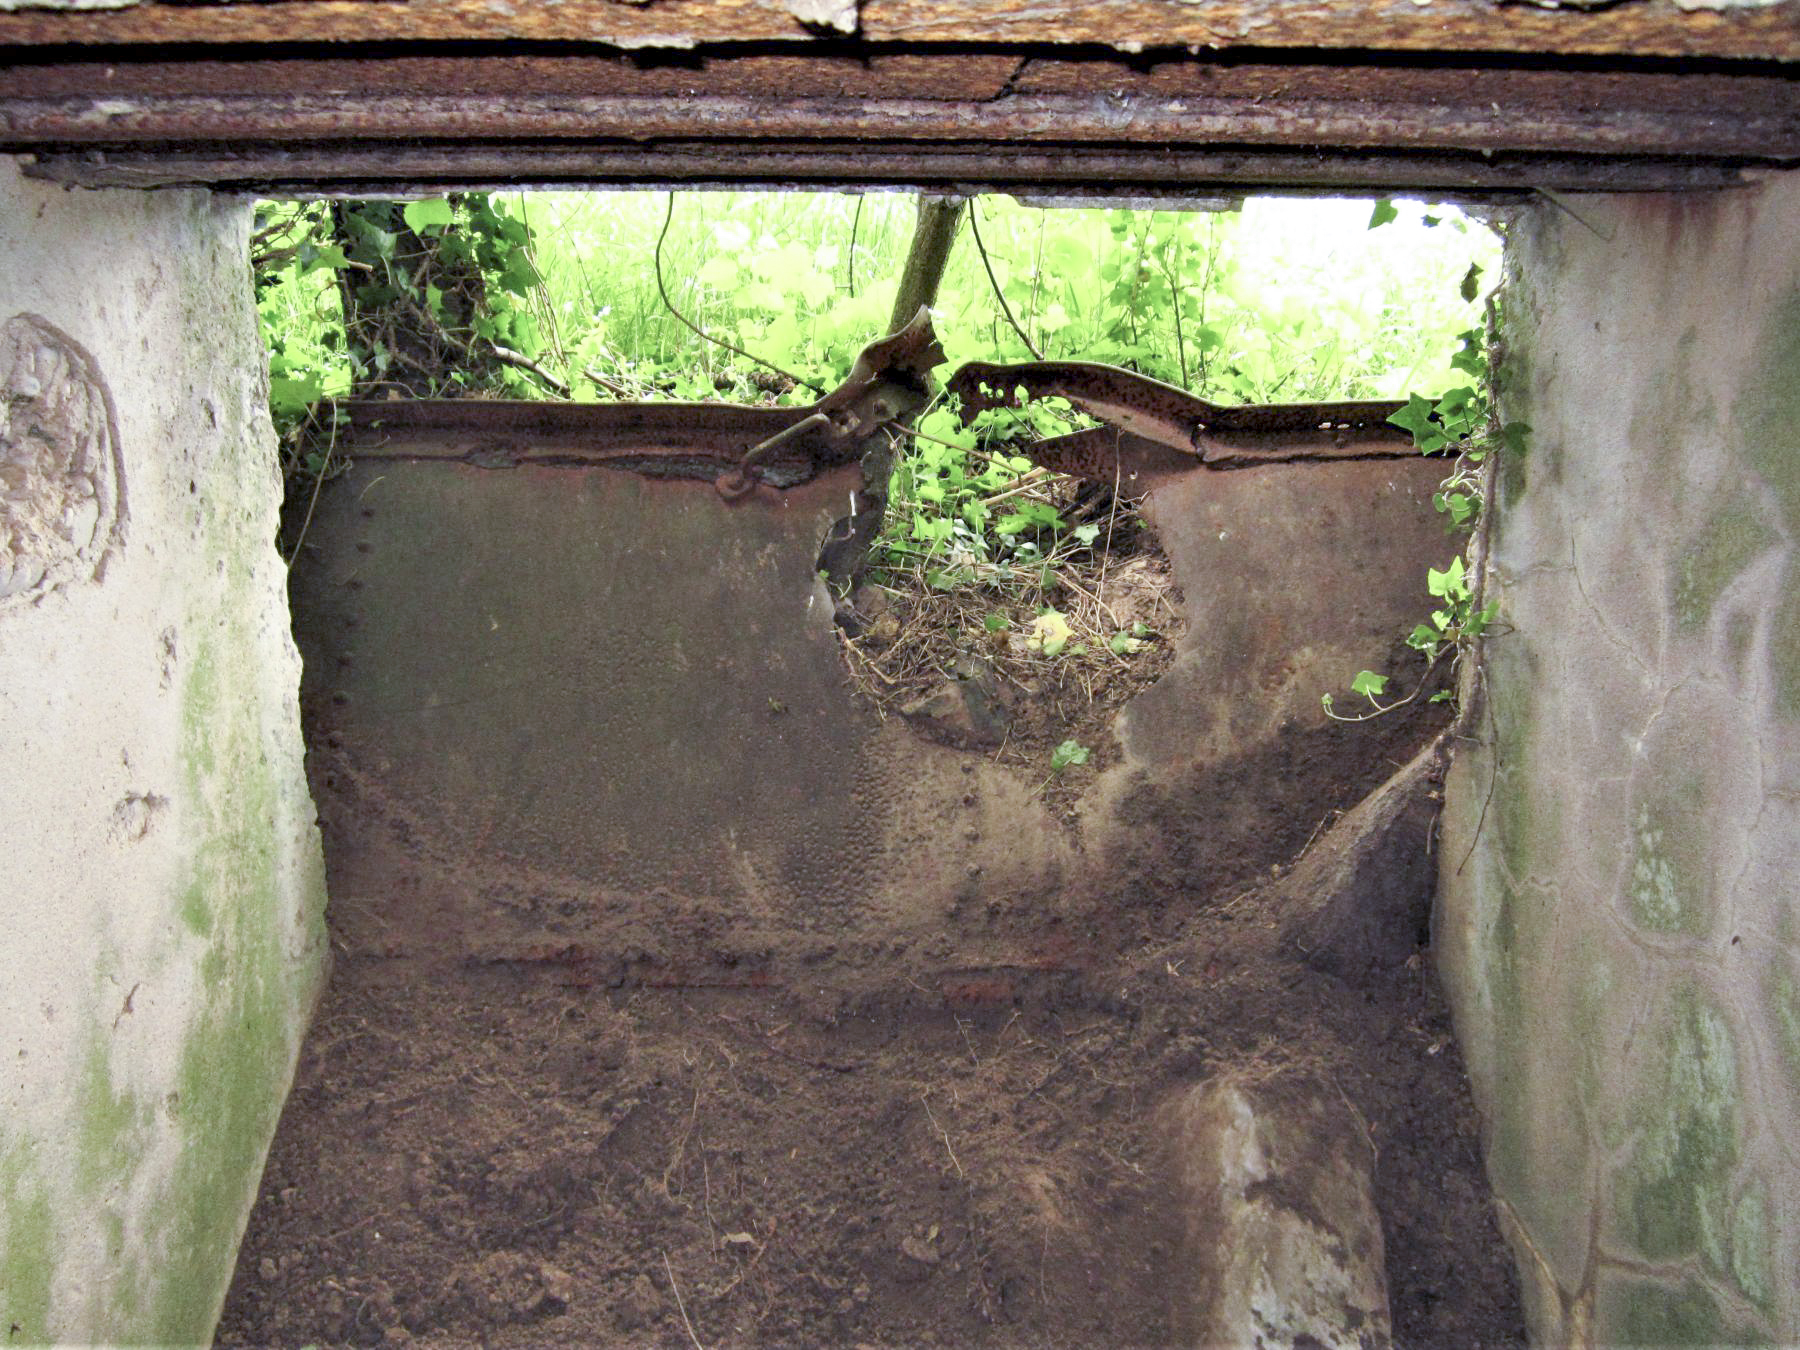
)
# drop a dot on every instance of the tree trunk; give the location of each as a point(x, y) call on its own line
point(939, 220)
point(846, 553)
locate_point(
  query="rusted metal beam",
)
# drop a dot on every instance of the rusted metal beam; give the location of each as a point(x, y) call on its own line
point(354, 121)
point(1646, 28)
point(1760, 120)
point(1068, 171)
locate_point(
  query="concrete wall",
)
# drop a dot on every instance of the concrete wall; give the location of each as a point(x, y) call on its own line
point(1622, 946)
point(163, 896)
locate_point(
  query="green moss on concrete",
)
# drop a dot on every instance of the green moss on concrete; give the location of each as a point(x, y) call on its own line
point(27, 1258)
point(1663, 421)
point(1784, 651)
point(1672, 1190)
point(235, 1063)
point(1538, 1152)
point(1512, 377)
point(1783, 996)
point(1732, 538)
point(112, 1125)
point(1767, 416)
point(1642, 1312)
point(1528, 822)
point(1752, 1258)
point(1667, 884)
point(1592, 1010)
point(196, 914)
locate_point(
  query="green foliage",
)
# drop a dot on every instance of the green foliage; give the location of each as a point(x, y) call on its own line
point(1461, 419)
point(1068, 753)
point(1285, 300)
point(357, 296)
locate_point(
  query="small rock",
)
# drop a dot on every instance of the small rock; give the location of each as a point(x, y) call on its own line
point(267, 1268)
point(967, 712)
point(556, 1288)
point(919, 1256)
point(1283, 1242)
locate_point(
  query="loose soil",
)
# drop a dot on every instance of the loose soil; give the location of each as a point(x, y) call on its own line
point(861, 1134)
point(525, 1153)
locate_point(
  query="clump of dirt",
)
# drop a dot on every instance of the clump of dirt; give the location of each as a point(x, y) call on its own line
point(849, 1147)
point(1019, 660)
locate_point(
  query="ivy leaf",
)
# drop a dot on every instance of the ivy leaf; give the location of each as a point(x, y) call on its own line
point(1383, 213)
point(422, 216)
point(1368, 684)
point(1448, 584)
point(1069, 752)
point(1415, 417)
point(1423, 638)
point(1471, 282)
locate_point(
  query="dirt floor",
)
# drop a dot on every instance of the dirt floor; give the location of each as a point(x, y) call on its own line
point(538, 1110)
point(857, 1151)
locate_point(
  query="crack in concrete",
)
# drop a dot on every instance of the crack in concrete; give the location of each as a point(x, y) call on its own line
point(1606, 629)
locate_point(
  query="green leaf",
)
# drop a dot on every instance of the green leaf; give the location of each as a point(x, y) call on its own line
point(719, 271)
point(1383, 213)
point(1069, 752)
point(1471, 282)
point(314, 256)
point(421, 216)
point(1513, 436)
point(1449, 583)
point(295, 396)
point(996, 623)
point(1415, 417)
point(1086, 533)
point(1368, 684)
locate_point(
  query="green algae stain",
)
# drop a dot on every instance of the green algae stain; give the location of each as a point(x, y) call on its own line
point(1783, 996)
point(1752, 1261)
point(1672, 1189)
point(1665, 886)
point(1767, 417)
point(234, 1066)
point(1644, 1312)
point(27, 1256)
point(113, 1126)
point(196, 914)
point(1734, 537)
